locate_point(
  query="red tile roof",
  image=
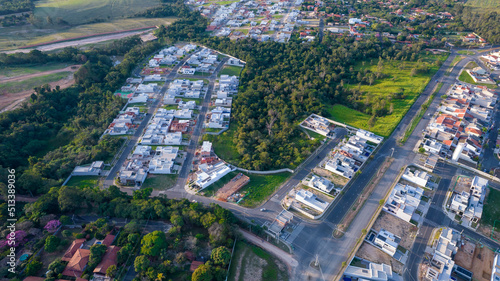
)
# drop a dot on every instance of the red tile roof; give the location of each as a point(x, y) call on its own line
point(33, 278)
point(195, 265)
point(75, 245)
point(109, 259)
point(108, 240)
point(77, 263)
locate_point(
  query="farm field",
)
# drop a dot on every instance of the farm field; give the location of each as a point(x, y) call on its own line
point(395, 79)
point(251, 263)
point(25, 36)
point(77, 12)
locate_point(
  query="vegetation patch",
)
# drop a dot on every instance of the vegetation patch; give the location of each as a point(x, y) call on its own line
point(396, 90)
point(465, 77)
point(19, 86)
point(160, 181)
point(83, 181)
point(231, 70)
point(253, 263)
point(261, 187)
point(491, 211)
point(12, 71)
point(212, 189)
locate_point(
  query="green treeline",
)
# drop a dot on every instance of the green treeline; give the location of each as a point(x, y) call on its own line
point(15, 6)
point(59, 129)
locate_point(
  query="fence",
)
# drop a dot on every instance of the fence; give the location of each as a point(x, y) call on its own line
point(265, 172)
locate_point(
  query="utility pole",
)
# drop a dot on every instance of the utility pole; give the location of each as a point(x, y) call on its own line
point(316, 263)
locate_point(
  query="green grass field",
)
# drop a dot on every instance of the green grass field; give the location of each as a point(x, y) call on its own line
point(223, 144)
point(231, 70)
point(467, 53)
point(491, 211)
point(160, 181)
point(247, 260)
point(395, 79)
point(12, 71)
point(15, 37)
point(82, 11)
point(484, 5)
point(465, 77)
point(261, 187)
point(19, 86)
point(83, 181)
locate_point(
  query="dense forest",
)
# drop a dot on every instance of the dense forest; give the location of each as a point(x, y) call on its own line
point(283, 83)
point(58, 129)
point(15, 6)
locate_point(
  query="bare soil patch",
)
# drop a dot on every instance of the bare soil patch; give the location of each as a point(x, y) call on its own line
point(480, 262)
point(398, 227)
point(10, 101)
point(373, 254)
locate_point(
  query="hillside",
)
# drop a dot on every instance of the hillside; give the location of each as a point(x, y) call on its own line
point(484, 5)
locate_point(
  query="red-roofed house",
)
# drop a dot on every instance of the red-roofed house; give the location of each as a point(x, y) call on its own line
point(108, 240)
point(195, 265)
point(77, 264)
point(109, 259)
point(77, 244)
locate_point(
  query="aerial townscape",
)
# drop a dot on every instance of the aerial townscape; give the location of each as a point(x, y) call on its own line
point(213, 140)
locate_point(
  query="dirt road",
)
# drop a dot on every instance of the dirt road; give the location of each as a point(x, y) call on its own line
point(9, 101)
point(277, 252)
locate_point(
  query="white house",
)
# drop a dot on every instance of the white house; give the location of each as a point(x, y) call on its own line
point(372, 272)
point(310, 199)
point(139, 98)
point(417, 177)
point(94, 169)
point(163, 161)
point(459, 202)
point(153, 78)
point(387, 241)
point(142, 151)
point(183, 114)
point(403, 201)
point(187, 105)
point(342, 165)
point(188, 71)
point(369, 136)
point(495, 272)
point(208, 174)
point(173, 138)
point(147, 88)
point(320, 184)
point(432, 146)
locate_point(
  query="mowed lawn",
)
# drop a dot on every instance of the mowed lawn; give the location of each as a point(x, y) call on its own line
point(83, 181)
point(231, 70)
point(82, 11)
point(491, 211)
point(394, 80)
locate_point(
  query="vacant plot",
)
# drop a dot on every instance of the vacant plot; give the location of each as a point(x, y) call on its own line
point(223, 144)
point(261, 187)
point(476, 259)
point(465, 77)
point(160, 181)
point(337, 180)
point(79, 11)
point(213, 188)
point(491, 211)
point(397, 76)
point(83, 181)
point(406, 231)
point(250, 263)
point(374, 254)
point(467, 53)
point(231, 70)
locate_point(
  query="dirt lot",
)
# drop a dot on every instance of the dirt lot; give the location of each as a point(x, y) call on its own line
point(463, 184)
point(480, 263)
point(9, 101)
point(373, 254)
point(398, 227)
point(337, 180)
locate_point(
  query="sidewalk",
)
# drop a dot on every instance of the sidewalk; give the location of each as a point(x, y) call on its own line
point(282, 255)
